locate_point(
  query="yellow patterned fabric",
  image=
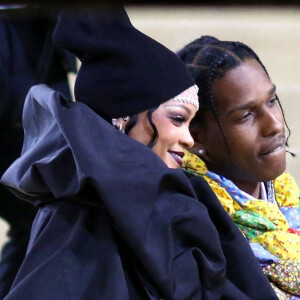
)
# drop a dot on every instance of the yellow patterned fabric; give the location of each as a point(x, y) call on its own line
point(273, 230)
point(287, 191)
point(279, 242)
point(285, 274)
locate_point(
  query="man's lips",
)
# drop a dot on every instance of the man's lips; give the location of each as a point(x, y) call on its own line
point(275, 145)
point(177, 156)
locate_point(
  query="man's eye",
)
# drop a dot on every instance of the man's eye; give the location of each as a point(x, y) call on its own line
point(246, 116)
point(273, 101)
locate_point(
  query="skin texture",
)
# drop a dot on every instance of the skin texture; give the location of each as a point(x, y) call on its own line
point(172, 120)
point(253, 126)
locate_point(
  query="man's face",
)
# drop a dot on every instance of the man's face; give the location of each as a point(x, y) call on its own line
point(253, 125)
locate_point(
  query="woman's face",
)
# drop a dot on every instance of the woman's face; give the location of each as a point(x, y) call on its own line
point(171, 120)
point(252, 123)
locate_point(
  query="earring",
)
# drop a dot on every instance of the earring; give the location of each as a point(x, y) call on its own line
point(117, 125)
point(125, 118)
point(201, 151)
point(121, 128)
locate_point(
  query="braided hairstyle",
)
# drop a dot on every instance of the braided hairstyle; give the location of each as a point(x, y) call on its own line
point(209, 59)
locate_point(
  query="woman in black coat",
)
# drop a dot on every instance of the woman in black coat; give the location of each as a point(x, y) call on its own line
point(117, 216)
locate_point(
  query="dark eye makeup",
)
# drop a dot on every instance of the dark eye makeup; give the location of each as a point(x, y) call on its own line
point(178, 119)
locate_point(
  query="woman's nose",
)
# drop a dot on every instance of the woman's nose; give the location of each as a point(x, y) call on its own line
point(187, 140)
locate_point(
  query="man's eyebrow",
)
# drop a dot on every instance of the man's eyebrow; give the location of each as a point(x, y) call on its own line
point(240, 107)
point(250, 103)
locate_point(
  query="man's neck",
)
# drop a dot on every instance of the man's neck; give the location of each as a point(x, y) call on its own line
point(251, 188)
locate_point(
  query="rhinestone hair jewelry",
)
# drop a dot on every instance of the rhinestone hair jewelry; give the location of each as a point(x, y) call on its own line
point(188, 97)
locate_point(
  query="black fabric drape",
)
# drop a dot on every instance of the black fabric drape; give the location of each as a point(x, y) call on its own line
point(27, 57)
point(101, 195)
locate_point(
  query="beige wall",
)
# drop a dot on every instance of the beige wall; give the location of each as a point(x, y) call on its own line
point(273, 33)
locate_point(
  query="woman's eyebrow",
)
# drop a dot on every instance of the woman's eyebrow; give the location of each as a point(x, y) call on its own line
point(179, 106)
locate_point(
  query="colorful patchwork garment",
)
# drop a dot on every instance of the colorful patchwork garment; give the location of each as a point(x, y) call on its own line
point(271, 225)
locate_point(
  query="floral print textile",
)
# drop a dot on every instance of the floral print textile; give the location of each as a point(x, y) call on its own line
point(272, 229)
point(285, 274)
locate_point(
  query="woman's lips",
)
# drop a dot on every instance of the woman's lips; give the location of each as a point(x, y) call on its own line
point(177, 156)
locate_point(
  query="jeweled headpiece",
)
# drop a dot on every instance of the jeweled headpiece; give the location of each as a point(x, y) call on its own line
point(188, 97)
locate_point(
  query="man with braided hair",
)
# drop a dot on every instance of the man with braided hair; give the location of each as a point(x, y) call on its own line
point(241, 152)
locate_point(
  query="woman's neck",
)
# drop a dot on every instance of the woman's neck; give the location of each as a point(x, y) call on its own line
point(251, 188)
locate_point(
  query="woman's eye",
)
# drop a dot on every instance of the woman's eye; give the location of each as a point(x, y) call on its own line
point(178, 120)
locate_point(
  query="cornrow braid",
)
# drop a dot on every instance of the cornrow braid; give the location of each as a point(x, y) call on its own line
point(210, 79)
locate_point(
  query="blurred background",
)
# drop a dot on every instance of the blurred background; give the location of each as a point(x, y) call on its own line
point(272, 31)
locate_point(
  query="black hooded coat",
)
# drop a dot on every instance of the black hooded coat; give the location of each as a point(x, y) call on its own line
point(114, 221)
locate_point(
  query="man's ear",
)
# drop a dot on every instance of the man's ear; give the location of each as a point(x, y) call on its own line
point(198, 135)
